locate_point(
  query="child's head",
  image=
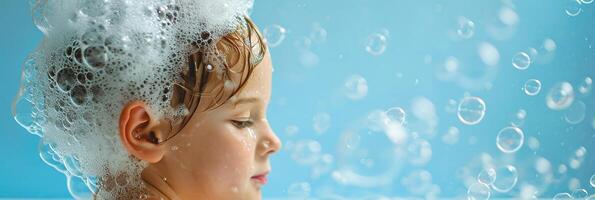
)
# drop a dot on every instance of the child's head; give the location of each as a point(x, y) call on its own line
point(174, 92)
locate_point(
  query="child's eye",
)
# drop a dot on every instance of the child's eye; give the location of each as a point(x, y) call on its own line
point(242, 124)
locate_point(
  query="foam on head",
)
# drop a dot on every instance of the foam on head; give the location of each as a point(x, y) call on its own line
point(97, 55)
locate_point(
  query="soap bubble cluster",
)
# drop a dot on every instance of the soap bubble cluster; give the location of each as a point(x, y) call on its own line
point(95, 57)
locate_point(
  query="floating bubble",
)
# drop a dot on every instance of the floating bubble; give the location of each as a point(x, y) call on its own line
point(318, 33)
point(471, 110)
point(396, 115)
point(506, 178)
point(77, 188)
point(452, 136)
point(560, 96)
point(487, 176)
point(419, 152)
point(508, 16)
point(40, 11)
point(95, 56)
point(592, 180)
point(322, 122)
point(488, 53)
point(510, 139)
point(306, 152)
point(356, 87)
point(587, 1)
point(519, 119)
point(299, 190)
point(521, 60)
point(575, 113)
point(580, 194)
point(575, 161)
point(274, 35)
point(418, 181)
point(66, 78)
point(562, 196)
point(50, 157)
point(478, 191)
point(376, 44)
point(308, 58)
point(94, 8)
point(585, 86)
point(532, 87)
point(465, 28)
point(573, 7)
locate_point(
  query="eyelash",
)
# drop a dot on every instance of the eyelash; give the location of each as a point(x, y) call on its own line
point(242, 124)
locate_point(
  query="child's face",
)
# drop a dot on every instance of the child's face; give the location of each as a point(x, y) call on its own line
point(214, 155)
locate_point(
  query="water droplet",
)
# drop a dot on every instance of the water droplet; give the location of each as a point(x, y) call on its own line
point(321, 122)
point(510, 139)
point(478, 191)
point(506, 178)
point(274, 35)
point(487, 176)
point(560, 96)
point(521, 60)
point(573, 7)
point(396, 115)
point(532, 87)
point(376, 44)
point(465, 28)
point(575, 113)
point(471, 110)
point(356, 87)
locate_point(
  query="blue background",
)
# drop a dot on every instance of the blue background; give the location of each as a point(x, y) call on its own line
point(300, 90)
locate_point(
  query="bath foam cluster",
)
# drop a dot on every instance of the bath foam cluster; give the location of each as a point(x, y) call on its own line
point(97, 55)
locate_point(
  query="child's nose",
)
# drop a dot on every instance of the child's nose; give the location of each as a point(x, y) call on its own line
point(269, 142)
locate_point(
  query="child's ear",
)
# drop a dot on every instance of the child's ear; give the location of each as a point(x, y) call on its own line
point(140, 132)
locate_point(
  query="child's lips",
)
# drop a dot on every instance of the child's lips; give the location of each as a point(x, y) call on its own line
point(261, 178)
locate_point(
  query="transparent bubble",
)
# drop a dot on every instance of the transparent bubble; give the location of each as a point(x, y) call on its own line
point(562, 196)
point(66, 78)
point(318, 33)
point(532, 87)
point(376, 44)
point(508, 16)
point(451, 136)
point(573, 7)
point(575, 113)
point(419, 152)
point(39, 11)
point(274, 35)
point(50, 157)
point(78, 95)
point(299, 190)
point(23, 113)
point(78, 188)
point(94, 8)
point(488, 53)
point(521, 60)
point(356, 87)
point(418, 181)
point(93, 36)
point(592, 180)
point(478, 191)
point(585, 86)
point(465, 28)
point(396, 115)
point(306, 152)
point(309, 58)
point(510, 139)
point(506, 178)
point(591, 197)
point(322, 122)
point(95, 56)
point(560, 96)
point(580, 194)
point(73, 166)
point(487, 176)
point(471, 110)
point(519, 119)
point(587, 1)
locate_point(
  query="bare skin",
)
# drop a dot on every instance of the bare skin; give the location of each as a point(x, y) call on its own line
point(217, 155)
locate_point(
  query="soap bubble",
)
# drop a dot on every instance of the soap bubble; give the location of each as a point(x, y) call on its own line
point(299, 190)
point(66, 79)
point(488, 53)
point(562, 196)
point(396, 115)
point(580, 194)
point(471, 110)
point(77, 188)
point(587, 1)
point(575, 112)
point(519, 119)
point(521, 60)
point(585, 86)
point(78, 95)
point(487, 176)
point(532, 87)
point(592, 180)
point(50, 157)
point(274, 35)
point(94, 8)
point(465, 28)
point(321, 122)
point(356, 87)
point(573, 7)
point(506, 178)
point(418, 181)
point(419, 152)
point(95, 56)
point(510, 139)
point(451, 136)
point(376, 44)
point(39, 11)
point(318, 33)
point(306, 152)
point(478, 191)
point(560, 96)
